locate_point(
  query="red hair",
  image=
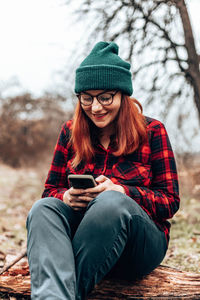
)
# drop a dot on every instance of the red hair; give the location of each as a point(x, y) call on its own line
point(130, 133)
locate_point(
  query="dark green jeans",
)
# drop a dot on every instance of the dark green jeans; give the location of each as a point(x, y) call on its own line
point(71, 251)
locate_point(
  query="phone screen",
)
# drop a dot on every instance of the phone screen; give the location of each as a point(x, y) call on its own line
point(82, 181)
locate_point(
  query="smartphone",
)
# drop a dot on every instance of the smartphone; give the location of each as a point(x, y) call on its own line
point(81, 181)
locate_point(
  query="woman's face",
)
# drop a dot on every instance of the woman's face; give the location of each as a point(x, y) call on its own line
point(103, 116)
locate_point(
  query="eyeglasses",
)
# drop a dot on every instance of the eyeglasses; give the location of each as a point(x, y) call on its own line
point(104, 98)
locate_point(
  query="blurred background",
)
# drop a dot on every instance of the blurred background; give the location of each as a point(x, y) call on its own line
point(42, 43)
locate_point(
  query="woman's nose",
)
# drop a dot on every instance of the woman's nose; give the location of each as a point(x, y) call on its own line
point(96, 105)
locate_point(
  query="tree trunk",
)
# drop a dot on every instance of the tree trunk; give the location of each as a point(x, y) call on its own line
point(193, 75)
point(162, 283)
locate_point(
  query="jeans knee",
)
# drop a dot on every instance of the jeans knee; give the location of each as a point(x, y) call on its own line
point(114, 200)
point(109, 204)
point(38, 207)
point(113, 204)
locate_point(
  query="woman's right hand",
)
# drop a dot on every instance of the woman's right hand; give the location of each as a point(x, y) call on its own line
point(77, 198)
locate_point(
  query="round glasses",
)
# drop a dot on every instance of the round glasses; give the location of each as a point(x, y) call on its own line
point(104, 98)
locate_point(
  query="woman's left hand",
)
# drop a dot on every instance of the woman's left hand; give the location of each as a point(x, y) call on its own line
point(104, 184)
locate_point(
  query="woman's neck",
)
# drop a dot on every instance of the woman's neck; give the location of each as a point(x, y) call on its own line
point(107, 131)
point(104, 136)
point(105, 141)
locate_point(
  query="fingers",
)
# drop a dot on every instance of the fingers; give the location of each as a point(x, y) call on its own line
point(76, 192)
point(105, 184)
point(102, 181)
point(78, 205)
point(96, 190)
point(81, 198)
point(78, 199)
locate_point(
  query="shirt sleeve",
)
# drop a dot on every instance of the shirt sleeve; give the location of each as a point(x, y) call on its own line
point(56, 183)
point(161, 200)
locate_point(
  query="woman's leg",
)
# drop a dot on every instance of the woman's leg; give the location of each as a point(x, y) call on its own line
point(144, 251)
point(112, 222)
point(51, 225)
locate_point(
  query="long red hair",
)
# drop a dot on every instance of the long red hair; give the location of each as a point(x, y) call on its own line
point(130, 131)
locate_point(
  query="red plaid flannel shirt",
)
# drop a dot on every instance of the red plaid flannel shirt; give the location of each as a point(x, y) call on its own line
point(148, 175)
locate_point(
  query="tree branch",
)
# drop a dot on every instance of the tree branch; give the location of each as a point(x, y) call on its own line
point(18, 258)
point(165, 34)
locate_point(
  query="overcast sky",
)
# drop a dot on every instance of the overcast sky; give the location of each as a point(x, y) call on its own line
point(36, 38)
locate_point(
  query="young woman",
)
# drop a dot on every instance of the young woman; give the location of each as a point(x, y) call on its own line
point(120, 227)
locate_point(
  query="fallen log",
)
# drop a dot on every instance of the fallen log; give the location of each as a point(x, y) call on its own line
point(163, 283)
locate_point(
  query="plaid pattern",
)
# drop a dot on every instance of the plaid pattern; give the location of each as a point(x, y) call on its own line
point(148, 175)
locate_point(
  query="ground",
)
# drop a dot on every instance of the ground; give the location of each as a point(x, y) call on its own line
point(20, 188)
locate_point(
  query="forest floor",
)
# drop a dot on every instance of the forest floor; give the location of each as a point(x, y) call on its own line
point(20, 188)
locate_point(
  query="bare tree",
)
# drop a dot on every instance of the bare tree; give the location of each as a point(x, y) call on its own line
point(156, 36)
point(192, 72)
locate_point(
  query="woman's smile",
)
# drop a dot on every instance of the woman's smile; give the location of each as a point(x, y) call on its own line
point(99, 116)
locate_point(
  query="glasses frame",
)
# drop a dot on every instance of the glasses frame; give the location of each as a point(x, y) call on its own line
point(96, 96)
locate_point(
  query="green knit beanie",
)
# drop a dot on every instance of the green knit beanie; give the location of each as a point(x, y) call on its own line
point(103, 69)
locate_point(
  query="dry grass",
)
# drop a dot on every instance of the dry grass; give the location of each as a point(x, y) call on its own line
point(20, 188)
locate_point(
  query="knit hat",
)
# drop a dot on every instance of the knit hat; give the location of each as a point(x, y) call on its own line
point(103, 69)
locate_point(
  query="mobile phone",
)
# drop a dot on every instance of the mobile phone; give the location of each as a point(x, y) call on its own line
point(81, 181)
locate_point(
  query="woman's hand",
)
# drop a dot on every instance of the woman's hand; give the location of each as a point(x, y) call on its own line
point(78, 199)
point(104, 184)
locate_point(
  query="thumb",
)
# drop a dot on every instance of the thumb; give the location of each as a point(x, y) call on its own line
point(101, 178)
